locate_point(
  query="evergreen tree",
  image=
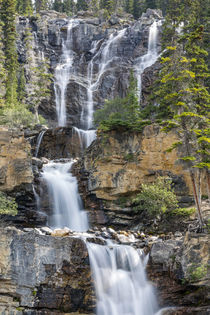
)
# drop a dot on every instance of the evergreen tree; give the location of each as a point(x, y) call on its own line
point(108, 5)
point(82, 5)
point(182, 93)
point(137, 8)
point(21, 85)
point(8, 9)
point(41, 5)
point(24, 7)
point(151, 4)
point(129, 6)
point(68, 6)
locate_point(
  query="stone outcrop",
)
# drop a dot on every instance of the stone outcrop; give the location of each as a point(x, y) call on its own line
point(181, 265)
point(43, 275)
point(15, 162)
point(118, 162)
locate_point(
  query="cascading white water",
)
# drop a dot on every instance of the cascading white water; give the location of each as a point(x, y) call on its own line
point(120, 281)
point(64, 196)
point(39, 141)
point(63, 72)
point(150, 58)
point(106, 54)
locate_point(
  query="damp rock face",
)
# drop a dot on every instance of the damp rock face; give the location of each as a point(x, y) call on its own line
point(42, 274)
point(50, 30)
point(117, 163)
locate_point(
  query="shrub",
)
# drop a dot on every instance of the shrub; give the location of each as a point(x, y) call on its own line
point(121, 113)
point(157, 197)
point(7, 205)
point(183, 211)
point(197, 273)
point(18, 116)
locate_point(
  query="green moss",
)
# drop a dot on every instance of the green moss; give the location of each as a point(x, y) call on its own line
point(182, 211)
point(7, 205)
point(34, 292)
point(197, 273)
point(130, 157)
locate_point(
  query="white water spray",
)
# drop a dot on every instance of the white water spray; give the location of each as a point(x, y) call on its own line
point(150, 58)
point(63, 73)
point(120, 281)
point(64, 196)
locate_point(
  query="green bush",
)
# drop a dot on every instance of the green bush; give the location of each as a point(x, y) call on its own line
point(121, 113)
point(18, 116)
point(197, 273)
point(157, 197)
point(183, 211)
point(7, 205)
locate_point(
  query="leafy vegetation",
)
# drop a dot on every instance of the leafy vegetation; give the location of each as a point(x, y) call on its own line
point(185, 212)
point(7, 205)
point(197, 273)
point(157, 197)
point(121, 113)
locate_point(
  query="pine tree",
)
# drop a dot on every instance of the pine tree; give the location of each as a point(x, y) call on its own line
point(182, 92)
point(129, 6)
point(24, 7)
point(21, 85)
point(41, 5)
point(8, 10)
point(68, 7)
point(108, 5)
point(82, 5)
point(137, 8)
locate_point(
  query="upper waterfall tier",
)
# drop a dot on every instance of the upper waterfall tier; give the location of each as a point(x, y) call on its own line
point(91, 62)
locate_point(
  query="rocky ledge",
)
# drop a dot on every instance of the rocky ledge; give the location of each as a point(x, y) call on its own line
point(45, 272)
point(41, 274)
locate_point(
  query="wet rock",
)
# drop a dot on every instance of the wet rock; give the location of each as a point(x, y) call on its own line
point(46, 230)
point(37, 162)
point(114, 20)
point(61, 232)
point(47, 273)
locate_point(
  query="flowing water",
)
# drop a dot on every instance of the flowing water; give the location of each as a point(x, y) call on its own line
point(120, 281)
point(63, 72)
point(150, 58)
point(39, 141)
point(119, 272)
point(64, 196)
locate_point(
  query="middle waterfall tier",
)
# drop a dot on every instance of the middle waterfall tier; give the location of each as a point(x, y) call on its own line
point(64, 197)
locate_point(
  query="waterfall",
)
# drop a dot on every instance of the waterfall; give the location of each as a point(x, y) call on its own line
point(39, 141)
point(63, 73)
point(120, 281)
point(64, 196)
point(150, 58)
point(106, 54)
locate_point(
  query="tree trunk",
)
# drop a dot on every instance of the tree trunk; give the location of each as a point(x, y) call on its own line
point(208, 183)
point(196, 197)
point(199, 186)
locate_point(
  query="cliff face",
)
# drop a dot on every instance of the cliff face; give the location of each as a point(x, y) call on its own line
point(88, 36)
point(15, 161)
point(43, 274)
point(117, 163)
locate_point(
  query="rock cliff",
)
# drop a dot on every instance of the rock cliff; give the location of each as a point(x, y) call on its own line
point(117, 163)
point(48, 33)
point(43, 275)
